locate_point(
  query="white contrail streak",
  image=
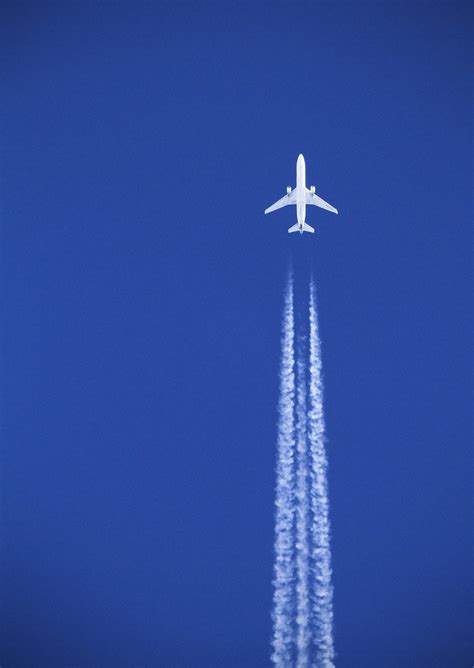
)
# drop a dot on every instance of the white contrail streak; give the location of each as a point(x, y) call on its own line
point(302, 600)
point(303, 610)
point(322, 617)
point(283, 604)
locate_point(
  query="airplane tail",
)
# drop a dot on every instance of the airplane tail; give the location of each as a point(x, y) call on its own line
point(296, 228)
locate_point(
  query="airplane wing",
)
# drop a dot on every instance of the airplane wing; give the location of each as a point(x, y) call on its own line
point(317, 201)
point(284, 201)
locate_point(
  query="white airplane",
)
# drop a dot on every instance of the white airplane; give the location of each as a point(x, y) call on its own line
point(301, 196)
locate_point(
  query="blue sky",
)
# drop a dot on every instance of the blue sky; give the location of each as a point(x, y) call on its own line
point(143, 291)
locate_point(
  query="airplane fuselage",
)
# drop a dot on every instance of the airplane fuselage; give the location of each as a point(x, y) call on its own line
point(301, 192)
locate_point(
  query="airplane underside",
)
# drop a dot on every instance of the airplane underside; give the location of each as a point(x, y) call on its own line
point(302, 197)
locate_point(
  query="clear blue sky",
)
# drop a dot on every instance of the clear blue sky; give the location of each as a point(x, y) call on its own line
point(140, 144)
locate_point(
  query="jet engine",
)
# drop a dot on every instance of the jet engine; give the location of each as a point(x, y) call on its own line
point(313, 190)
point(288, 190)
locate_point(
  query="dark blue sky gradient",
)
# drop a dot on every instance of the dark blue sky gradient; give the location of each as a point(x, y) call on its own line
point(142, 300)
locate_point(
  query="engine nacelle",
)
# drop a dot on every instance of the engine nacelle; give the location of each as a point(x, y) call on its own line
point(288, 190)
point(313, 190)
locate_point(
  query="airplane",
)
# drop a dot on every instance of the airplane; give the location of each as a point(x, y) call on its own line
point(301, 196)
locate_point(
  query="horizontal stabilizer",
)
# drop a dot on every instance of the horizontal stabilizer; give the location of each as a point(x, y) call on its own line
point(296, 228)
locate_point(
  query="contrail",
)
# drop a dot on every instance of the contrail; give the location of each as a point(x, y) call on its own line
point(284, 569)
point(321, 558)
point(303, 635)
point(302, 600)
